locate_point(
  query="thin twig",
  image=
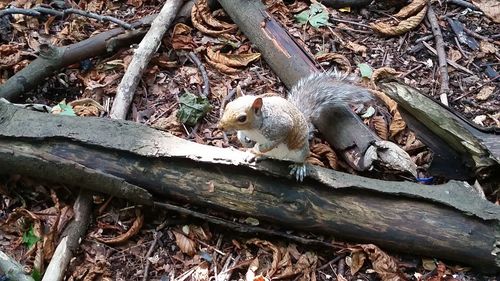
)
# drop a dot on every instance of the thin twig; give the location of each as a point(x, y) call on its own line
point(211, 247)
point(206, 84)
point(246, 228)
point(443, 66)
point(450, 62)
point(425, 38)
point(460, 48)
point(412, 70)
point(39, 11)
point(18, 11)
point(156, 236)
point(98, 17)
point(351, 22)
point(479, 36)
point(463, 4)
point(336, 259)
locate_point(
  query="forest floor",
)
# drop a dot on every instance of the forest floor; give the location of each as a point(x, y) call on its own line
point(183, 248)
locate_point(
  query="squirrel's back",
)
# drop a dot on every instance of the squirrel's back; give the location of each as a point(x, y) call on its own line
point(321, 89)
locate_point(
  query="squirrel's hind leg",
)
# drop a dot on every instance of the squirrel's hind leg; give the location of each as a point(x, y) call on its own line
point(299, 170)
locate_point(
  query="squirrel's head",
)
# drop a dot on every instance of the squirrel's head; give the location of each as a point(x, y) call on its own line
point(242, 114)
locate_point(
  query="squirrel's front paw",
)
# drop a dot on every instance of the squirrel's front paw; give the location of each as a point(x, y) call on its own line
point(244, 140)
point(299, 170)
point(254, 155)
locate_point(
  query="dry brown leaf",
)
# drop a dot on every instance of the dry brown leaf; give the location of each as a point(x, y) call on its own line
point(410, 139)
point(485, 93)
point(197, 22)
point(487, 47)
point(411, 9)
point(276, 251)
point(306, 265)
point(326, 151)
point(9, 60)
point(390, 103)
point(385, 265)
point(454, 55)
point(222, 67)
point(380, 126)
point(491, 8)
point(86, 107)
point(314, 160)
point(199, 233)
point(380, 73)
point(232, 60)
point(133, 230)
point(207, 17)
point(397, 125)
point(135, 3)
point(357, 261)
point(337, 58)
point(186, 245)
point(401, 28)
point(181, 38)
point(181, 29)
point(357, 48)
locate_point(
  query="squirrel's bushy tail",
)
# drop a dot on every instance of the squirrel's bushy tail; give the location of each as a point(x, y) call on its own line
point(326, 88)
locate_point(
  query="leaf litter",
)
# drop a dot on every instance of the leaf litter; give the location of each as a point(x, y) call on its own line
point(119, 238)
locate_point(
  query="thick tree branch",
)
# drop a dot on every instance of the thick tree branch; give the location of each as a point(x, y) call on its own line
point(350, 207)
point(148, 46)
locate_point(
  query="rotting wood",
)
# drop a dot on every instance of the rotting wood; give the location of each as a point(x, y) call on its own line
point(445, 221)
point(478, 152)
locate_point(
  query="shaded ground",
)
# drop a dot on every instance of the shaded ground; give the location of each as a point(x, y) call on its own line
point(191, 247)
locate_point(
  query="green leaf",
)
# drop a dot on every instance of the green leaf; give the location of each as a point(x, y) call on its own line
point(303, 17)
point(29, 238)
point(366, 70)
point(317, 16)
point(316, 8)
point(192, 108)
point(36, 274)
point(319, 20)
point(67, 110)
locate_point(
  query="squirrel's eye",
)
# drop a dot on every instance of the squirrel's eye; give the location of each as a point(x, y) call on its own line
point(242, 118)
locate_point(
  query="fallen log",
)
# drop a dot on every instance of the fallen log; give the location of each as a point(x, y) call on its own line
point(446, 221)
point(461, 149)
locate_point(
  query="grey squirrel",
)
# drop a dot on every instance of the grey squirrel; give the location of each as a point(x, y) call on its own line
point(280, 127)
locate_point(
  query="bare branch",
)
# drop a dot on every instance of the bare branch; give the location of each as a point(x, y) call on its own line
point(39, 11)
point(206, 85)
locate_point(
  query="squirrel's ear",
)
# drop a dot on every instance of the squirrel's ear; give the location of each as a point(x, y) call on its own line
point(257, 104)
